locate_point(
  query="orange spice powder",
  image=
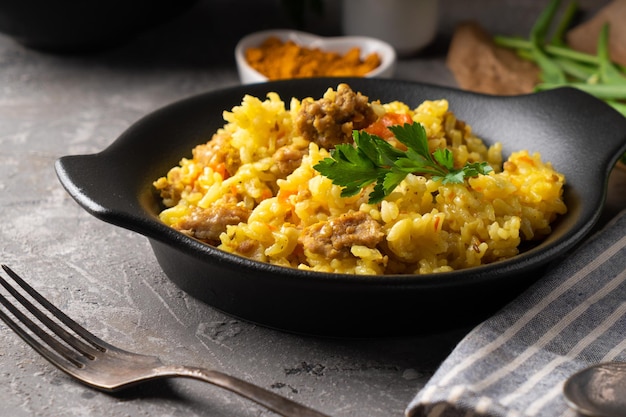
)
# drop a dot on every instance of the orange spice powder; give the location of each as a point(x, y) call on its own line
point(277, 60)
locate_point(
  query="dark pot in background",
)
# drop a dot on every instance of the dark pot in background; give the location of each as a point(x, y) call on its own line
point(83, 25)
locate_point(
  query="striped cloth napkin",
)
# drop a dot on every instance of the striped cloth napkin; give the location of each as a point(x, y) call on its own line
point(514, 364)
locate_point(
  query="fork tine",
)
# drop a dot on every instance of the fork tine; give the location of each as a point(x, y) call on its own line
point(63, 353)
point(73, 356)
point(67, 337)
point(77, 328)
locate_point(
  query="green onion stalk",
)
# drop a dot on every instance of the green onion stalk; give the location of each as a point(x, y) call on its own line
point(561, 65)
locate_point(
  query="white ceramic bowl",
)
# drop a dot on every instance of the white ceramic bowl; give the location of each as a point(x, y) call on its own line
point(341, 44)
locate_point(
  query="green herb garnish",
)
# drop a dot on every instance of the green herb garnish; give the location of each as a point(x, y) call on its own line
point(562, 66)
point(372, 160)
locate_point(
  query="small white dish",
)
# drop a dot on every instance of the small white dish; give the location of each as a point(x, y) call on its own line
point(340, 44)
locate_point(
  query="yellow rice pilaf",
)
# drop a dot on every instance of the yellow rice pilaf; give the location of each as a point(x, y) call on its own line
point(425, 226)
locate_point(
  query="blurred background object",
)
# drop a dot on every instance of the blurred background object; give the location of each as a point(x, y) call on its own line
point(298, 10)
point(81, 25)
point(284, 53)
point(408, 25)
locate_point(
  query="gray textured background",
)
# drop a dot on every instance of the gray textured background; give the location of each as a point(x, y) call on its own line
point(107, 278)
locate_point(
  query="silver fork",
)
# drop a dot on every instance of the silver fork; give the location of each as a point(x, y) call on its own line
point(103, 366)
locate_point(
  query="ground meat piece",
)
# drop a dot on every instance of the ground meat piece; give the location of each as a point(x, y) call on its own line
point(334, 238)
point(207, 224)
point(331, 119)
point(287, 159)
point(218, 154)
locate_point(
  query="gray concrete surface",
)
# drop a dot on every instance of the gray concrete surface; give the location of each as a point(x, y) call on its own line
point(108, 279)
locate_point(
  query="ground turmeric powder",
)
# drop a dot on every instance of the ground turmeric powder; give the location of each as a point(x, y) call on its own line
point(277, 60)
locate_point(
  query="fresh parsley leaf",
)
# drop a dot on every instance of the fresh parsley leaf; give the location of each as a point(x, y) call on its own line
point(373, 160)
point(378, 150)
point(444, 157)
point(475, 169)
point(413, 136)
point(453, 177)
point(392, 179)
point(349, 167)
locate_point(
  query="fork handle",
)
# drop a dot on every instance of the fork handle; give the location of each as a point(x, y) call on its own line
point(272, 401)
